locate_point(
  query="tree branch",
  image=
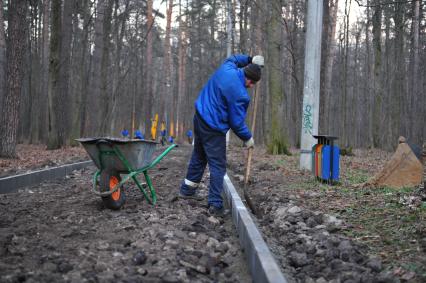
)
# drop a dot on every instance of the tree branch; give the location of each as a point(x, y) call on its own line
point(384, 3)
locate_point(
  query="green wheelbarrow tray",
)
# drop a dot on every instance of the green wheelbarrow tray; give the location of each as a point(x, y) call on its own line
point(115, 156)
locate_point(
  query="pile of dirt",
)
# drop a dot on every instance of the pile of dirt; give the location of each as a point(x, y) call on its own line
point(404, 169)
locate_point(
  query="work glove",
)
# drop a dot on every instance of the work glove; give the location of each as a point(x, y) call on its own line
point(249, 143)
point(258, 60)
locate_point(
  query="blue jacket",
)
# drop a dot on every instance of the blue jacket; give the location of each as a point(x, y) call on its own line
point(223, 101)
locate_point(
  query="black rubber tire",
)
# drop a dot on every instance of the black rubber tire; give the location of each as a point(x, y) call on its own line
point(116, 200)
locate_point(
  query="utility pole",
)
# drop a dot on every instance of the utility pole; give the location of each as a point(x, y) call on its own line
point(311, 88)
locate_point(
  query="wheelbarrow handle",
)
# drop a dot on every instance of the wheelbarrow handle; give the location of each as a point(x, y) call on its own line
point(156, 160)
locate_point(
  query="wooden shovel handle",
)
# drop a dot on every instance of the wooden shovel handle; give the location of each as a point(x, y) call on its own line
point(247, 174)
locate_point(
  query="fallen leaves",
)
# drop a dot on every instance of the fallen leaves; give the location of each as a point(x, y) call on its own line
point(33, 157)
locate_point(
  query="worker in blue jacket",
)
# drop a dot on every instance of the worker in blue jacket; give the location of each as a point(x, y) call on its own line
point(221, 105)
point(189, 136)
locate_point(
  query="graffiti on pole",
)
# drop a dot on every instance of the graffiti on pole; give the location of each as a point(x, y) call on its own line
point(307, 119)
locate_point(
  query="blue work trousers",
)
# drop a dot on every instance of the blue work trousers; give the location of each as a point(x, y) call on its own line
point(209, 148)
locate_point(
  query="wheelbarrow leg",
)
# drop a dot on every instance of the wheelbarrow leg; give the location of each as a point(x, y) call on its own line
point(96, 179)
point(153, 198)
point(151, 188)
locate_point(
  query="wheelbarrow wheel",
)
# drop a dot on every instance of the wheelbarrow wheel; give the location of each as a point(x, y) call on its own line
point(108, 180)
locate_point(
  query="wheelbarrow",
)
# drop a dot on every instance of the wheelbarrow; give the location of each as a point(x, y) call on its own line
point(115, 156)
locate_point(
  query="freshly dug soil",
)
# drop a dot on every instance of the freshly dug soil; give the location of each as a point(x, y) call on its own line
point(59, 231)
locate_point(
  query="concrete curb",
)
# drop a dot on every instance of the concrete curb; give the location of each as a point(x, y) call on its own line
point(262, 265)
point(13, 183)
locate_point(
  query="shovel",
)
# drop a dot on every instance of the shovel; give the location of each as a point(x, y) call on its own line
point(250, 154)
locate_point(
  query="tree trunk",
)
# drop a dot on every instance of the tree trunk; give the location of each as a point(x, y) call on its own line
point(105, 92)
point(94, 117)
point(82, 74)
point(278, 134)
point(387, 74)
point(64, 122)
point(212, 42)
point(181, 97)
point(16, 47)
point(345, 94)
point(243, 26)
point(168, 94)
point(328, 45)
point(120, 28)
point(2, 58)
point(37, 80)
point(399, 81)
point(55, 138)
point(257, 39)
point(377, 104)
point(148, 66)
point(44, 86)
point(367, 97)
point(416, 108)
point(31, 106)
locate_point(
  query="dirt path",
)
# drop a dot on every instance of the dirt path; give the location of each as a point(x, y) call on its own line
point(60, 232)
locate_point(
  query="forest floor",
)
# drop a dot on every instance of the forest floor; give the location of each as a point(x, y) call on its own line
point(35, 157)
point(317, 232)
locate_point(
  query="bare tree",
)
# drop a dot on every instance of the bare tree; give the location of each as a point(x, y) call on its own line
point(119, 33)
point(16, 46)
point(416, 108)
point(377, 97)
point(64, 76)
point(277, 137)
point(43, 119)
point(398, 82)
point(168, 93)
point(182, 49)
point(2, 56)
point(99, 69)
point(148, 65)
point(82, 73)
point(56, 136)
point(328, 45)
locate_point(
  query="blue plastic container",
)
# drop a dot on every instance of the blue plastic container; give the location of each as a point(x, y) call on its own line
point(326, 159)
point(330, 163)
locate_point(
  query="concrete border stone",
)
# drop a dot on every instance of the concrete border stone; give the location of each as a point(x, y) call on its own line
point(11, 184)
point(262, 265)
